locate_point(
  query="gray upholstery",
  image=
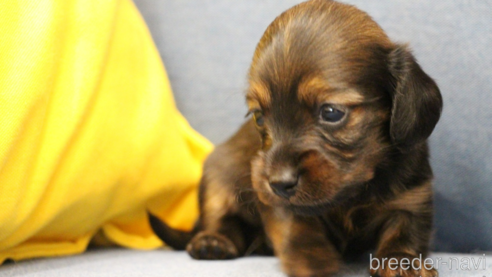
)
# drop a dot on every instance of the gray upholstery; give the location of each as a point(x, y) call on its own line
point(162, 263)
point(207, 46)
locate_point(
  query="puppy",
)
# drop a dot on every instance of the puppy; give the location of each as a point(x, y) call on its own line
point(334, 162)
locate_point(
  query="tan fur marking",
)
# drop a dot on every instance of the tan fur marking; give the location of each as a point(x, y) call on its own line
point(357, 115)
point(300, 254)
point(278, 230)
point(412, 200)
point(316, 90)
point(342, 97)
point(259, 93)
point(392, 233)
point(218, 201)
point(309, 89)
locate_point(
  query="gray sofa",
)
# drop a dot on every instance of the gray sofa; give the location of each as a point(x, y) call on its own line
point(165, 263)
point(207, 47)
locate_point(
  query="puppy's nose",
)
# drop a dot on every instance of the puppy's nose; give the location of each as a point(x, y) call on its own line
point(284, 189)
point(284, 185)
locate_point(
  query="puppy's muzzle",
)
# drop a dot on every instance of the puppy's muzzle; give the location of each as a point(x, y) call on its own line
point(284, 182)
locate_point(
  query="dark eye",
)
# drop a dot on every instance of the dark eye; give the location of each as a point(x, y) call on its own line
point(330, 114)
point(258, 117)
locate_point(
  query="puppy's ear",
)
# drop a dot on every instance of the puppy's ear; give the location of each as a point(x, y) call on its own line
point(417, 102)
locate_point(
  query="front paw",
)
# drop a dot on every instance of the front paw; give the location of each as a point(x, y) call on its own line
point(211, 246)
point(400, 265)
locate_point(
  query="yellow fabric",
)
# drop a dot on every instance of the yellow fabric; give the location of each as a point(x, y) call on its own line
point(89, 133)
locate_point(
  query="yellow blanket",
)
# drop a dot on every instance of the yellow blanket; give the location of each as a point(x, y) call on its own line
point(89, 133)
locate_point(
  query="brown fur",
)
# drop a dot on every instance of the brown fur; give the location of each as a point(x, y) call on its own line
point(361, 183)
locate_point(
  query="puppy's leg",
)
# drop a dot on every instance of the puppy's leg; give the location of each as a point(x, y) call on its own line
point(218, 244)
point(405, 236)
point(227, 173)
point(221, 234)
point(300, 243)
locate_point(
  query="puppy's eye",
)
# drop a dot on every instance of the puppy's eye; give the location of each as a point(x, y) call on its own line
point(330, 114)
point(258, 117)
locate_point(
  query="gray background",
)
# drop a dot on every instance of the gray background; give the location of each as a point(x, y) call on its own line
point(207, 47)
point(165, 263)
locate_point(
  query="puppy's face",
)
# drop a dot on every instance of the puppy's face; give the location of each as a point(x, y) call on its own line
point(323, 94)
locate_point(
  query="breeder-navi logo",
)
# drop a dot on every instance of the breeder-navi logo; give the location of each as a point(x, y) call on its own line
point(452, 263)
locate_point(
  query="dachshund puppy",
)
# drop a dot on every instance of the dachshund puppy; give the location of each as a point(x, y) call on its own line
point(334, 162)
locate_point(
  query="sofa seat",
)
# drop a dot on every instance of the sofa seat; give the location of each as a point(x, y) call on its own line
point(119, 262)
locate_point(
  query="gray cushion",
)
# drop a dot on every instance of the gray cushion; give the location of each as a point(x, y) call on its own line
point(159, 263)
point(207, 47)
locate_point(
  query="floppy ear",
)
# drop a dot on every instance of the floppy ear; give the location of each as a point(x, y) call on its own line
point(416, 100)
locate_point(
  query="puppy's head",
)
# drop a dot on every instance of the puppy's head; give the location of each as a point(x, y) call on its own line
point(331, 95)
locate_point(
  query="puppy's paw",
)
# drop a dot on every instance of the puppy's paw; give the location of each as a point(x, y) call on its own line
point(401, 266)
point(211, 246)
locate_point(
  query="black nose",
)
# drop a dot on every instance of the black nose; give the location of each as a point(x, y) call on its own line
point(284, 188)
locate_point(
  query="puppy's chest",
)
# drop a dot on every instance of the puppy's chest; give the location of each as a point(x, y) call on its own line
point(352, 228)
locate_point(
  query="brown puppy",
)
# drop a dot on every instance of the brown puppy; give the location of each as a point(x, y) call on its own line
point(335, 160)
